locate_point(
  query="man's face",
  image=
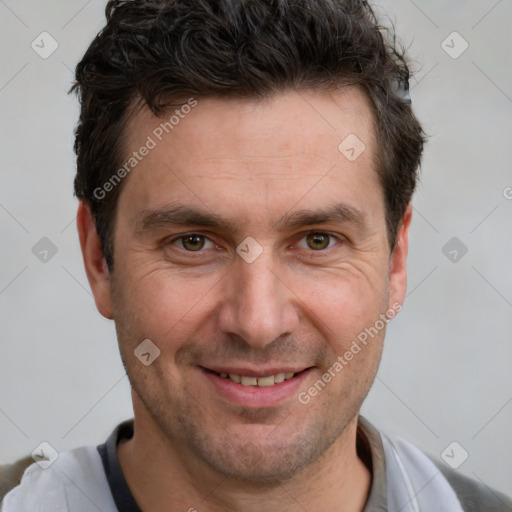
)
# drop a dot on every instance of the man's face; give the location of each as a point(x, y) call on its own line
point(291, 299)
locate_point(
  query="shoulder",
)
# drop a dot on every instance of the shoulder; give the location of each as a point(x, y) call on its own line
point(414, 477)
point(10, 474)
point(75, 478)
point(473, 495)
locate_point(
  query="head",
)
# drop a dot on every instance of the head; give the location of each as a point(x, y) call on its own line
point(251, 114)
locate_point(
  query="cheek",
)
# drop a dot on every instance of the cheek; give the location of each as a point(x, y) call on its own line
point(344, 302)
point(162, 304)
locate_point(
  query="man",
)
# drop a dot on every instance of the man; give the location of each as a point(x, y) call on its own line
point(245, 172)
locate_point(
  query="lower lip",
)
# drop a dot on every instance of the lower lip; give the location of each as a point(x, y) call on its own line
point(255, 396)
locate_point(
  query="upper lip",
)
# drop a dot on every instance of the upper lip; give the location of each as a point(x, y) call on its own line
point(251, 372)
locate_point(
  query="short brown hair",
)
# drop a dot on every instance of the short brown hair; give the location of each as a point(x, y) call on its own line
point(158, 50)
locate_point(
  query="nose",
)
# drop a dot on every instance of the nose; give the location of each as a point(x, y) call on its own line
point(257, 304)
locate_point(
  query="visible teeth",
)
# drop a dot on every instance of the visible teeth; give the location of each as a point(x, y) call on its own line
point(270, 380)
point(266, 381)
point(248, 381)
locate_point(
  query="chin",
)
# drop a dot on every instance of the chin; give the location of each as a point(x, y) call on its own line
point(268, 458)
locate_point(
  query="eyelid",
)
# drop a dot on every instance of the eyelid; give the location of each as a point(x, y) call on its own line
point(178, 238)
point(334, 236)
point(302, 235)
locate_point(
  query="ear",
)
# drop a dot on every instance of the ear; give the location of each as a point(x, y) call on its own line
point(94, 261)
point(398, 261)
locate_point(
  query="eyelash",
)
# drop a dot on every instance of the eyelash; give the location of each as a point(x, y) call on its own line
point(201, 251)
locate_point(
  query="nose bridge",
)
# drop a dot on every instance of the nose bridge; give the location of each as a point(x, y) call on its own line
point(257, 305)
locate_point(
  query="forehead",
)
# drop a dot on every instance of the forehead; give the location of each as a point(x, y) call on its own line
point(290, 120)
point(264, 154)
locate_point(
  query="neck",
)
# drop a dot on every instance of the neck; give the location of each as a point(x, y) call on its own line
point(162, 477)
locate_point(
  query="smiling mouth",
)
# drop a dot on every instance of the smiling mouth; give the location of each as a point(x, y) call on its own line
point(267, 381)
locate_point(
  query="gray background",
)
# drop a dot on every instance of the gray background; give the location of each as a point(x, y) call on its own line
point(445, 374)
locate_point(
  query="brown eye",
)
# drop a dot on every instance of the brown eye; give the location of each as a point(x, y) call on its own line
point(318, 241)
point(192, 242)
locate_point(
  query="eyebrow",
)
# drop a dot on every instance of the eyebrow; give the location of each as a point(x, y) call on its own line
point(340, 213)
point(182, 215)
